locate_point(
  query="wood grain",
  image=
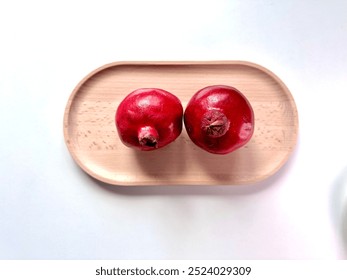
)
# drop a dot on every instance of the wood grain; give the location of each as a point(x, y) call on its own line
point(92, 139)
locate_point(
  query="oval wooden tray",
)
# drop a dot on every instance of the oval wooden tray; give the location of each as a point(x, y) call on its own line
point(93, 142)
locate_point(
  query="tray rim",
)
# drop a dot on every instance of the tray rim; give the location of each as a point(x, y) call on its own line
point(94, 175)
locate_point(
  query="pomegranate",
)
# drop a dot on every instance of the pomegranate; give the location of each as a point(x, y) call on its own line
point(219, 119)
point(149, 118)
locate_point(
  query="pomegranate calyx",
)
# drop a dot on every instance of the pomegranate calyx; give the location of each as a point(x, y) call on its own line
point(148, 137)
point(215, 124)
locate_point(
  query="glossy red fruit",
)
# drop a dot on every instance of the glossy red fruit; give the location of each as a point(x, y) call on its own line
point(219, 119)
point(149, 118)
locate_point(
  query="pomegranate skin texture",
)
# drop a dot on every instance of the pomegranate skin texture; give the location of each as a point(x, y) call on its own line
point(149, 119)
point(219, 119)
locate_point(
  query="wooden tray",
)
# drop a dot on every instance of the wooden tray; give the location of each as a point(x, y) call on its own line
point(93, 142)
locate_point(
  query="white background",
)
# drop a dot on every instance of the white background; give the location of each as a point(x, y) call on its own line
point(50, 209)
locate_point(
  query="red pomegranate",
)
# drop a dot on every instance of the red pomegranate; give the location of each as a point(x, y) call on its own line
point(219, 119)
point(149, 118)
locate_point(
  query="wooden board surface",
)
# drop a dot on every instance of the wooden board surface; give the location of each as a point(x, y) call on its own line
point(92, 139)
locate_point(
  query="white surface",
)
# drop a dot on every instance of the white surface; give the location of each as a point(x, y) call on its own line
point(50, 209)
